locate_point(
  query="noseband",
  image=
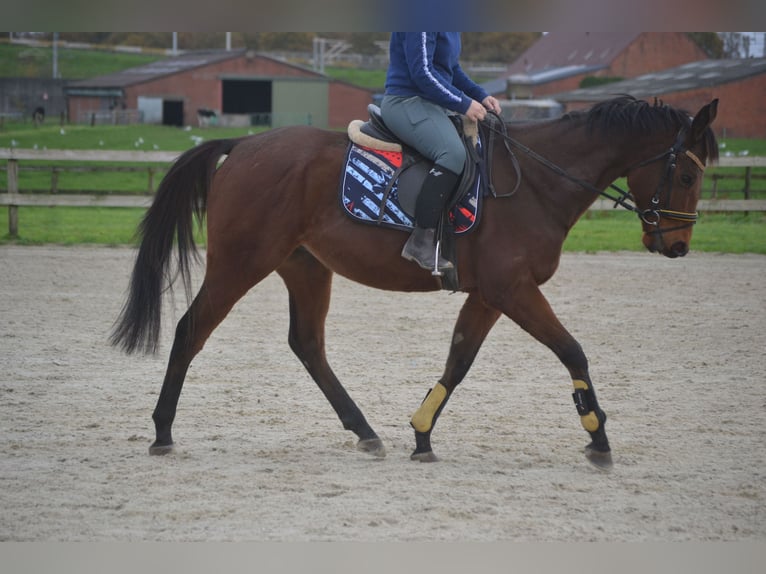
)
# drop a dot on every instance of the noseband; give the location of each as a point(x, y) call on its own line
point(650, 216)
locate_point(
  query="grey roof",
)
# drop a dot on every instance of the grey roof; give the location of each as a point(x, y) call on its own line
point(552, 74)
point(500, 85)
point(561, 49)
point(157, 69)
point(559, 55)
point(701, 74)
point(496, 86)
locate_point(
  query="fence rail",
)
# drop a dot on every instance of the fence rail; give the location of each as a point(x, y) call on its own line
point(14, 199)
point(156, 160)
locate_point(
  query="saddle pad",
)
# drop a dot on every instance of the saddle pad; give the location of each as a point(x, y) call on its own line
point(367, 173)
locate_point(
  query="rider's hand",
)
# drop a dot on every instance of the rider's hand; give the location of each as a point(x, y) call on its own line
point(476, 111)
point(491, 103)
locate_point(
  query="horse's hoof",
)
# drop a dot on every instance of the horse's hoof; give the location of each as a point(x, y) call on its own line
point(160, 449)
point(599, 459)
point(427, 456)
point(373, 446)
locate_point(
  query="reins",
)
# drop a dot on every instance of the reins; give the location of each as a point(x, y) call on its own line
point(650, 216)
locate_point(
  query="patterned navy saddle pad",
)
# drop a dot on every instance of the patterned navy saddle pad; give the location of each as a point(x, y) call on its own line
point(380, 187)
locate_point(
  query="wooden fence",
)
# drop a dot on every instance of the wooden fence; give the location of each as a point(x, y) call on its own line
point(15, 199)
point(158, 160)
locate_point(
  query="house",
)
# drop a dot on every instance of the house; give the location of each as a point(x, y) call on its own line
point(237, 87)
point(560, 61)
point(740, 86)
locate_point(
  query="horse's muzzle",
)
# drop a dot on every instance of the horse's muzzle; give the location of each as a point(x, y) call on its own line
point(655, 244)
point(678, 249)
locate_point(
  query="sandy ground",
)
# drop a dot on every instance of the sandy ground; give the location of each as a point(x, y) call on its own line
point(676, 352)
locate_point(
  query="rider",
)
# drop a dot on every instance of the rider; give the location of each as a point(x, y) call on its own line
point(424, 83)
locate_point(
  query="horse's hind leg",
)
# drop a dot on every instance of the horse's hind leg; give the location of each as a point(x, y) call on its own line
point(309, 284)
point(473, 324)
point(220, 290)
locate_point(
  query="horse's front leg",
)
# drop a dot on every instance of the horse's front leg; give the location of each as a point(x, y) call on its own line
point(473, 324)
point(528, 307)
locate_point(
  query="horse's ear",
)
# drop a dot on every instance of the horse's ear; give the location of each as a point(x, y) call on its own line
point(702, 121)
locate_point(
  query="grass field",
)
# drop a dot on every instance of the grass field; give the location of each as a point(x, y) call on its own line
point(144, 137)
point(24, 135)
point(51, 135)
point(597, 231)
point(37, 62)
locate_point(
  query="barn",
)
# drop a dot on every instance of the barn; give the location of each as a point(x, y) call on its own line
point(740, 86)
point(560, 61)
point(235, 88)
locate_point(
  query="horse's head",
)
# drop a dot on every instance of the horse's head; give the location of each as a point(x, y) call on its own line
point(666, 187)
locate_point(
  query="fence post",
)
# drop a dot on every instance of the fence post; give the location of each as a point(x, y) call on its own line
point(747, 182)
point(151, 180)
point(54, 180)
point(13, 189)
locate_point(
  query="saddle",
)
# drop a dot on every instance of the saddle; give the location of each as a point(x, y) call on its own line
point(382, 178)
point(410, 173)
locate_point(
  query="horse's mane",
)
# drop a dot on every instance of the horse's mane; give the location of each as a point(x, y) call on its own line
point(625, 113)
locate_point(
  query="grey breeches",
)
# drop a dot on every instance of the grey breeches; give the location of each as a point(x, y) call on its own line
point(427, 128)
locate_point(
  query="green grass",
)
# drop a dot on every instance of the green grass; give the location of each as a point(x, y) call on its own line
point(598, 231)
point(51, 135)
point(74, 226)
point(374, 80)
point(37, 62)
point(100, 182)
point(143, 137)
point(714, 232)
point(108, 226)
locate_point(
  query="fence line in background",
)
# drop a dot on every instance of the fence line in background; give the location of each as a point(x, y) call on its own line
point(15, 199)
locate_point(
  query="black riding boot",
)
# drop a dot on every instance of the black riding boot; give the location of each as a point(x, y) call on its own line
point(421, 246)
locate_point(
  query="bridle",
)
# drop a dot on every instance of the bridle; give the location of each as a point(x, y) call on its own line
point(653, 214)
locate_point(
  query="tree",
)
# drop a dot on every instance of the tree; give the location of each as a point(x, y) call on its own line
point(710, 42)
point(735, 44)
point(496, 46)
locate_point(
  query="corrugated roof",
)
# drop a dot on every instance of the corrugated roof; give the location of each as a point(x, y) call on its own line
point(551, 74)
point(157, 69)
point(702, 74)
point(562, 54)
point(562, 49)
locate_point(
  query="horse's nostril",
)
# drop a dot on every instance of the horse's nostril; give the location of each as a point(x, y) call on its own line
point(680, 248)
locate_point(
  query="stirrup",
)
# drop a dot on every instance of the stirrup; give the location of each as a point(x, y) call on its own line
point(439, 262)
point(420, 248)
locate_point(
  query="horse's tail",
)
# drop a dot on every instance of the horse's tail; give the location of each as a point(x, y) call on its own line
point(181, 196)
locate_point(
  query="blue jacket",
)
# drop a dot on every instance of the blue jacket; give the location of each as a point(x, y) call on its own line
point(426, 64)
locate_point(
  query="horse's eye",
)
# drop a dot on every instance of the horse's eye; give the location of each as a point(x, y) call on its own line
point(686, 179)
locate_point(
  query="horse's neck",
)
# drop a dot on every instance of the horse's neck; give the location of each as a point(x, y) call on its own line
point(559, 156)
point(595, 160)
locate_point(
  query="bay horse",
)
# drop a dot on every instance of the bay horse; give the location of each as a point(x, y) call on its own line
point(272, 205)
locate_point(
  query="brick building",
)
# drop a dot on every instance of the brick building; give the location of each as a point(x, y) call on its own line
point(560, 61)
point(237, 87)
point(740, 86)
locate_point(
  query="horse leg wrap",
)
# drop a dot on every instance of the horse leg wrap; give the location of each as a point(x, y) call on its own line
point(425, 417)
point(585, 401)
